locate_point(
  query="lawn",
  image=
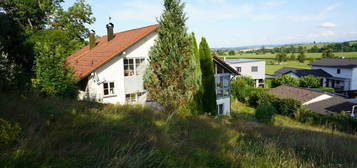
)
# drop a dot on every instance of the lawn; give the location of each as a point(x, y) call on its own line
point(64, 133)
point(270, 69)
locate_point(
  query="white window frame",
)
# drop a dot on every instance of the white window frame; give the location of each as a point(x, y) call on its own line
point(133, 97)
point(132, 66)
point(255, 67)
point(239, 69)
point(111, 90)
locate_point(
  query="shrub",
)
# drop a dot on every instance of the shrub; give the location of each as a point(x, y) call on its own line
point(287, 107)
point(241, 88)
point(265, 113)
point(338, 121)
point(260, 97)
point(310, 81)
point(285, 80)
point(8, 133)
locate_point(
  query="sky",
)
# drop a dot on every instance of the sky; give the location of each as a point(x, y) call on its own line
point(234, 23)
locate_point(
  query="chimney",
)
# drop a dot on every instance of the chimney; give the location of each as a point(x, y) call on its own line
point(110, 31)
point(92, 40)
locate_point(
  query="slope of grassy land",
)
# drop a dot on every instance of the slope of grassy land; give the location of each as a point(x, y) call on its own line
point(63, 133)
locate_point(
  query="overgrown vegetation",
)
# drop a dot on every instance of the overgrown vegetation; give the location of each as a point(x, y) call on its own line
point(64, 133)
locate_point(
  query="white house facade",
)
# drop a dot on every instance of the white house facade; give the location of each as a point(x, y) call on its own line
point(111, 70)
point(254, 68)
point(343, 72)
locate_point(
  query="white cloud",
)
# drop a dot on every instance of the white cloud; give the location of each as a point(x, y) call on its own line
point(138, 11)
point(327, 25)
point(320, 16)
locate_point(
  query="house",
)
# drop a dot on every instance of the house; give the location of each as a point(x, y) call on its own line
point(111, 69)
point(223, 74)
point(340, 74)
point(343, 71)
point(317, 101)
point(254, 68)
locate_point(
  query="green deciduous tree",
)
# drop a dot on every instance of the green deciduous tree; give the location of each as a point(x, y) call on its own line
point(231, 52)
point(292, 57)
point(328, 53)
point(208, 79)
point(52, 76)
point(170, 78)
point(285, 80)
point(73, 20)
point(281, 57)
point(310, 81)
point(301, 57)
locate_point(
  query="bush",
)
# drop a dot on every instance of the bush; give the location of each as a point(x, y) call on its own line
point(260, 97)
point(241, 87)
point(338, 121)
point(265, 113)
point(8, 133)
point(310, 81)
point(285, 80)
point(287, 107)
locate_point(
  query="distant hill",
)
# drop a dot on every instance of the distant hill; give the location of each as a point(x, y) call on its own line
point(307, 45)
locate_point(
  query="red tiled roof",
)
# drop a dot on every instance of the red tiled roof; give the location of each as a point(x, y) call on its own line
point(87, 60)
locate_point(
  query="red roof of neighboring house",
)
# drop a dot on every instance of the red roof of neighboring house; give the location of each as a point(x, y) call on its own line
point(87, 60)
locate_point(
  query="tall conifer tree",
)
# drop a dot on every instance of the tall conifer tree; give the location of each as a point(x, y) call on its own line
point(208, 79)
point(170, 79)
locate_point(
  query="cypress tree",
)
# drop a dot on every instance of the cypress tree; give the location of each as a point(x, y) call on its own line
point(196, 106)
point(208, 79)
point(170, 78)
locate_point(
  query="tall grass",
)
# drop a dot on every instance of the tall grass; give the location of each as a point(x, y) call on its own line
point(64, 133)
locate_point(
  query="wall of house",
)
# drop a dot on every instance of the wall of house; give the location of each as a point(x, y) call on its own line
point(354, 79)
point(113, 71)
point(226, 105)
point(345, 73)
point(246, 69)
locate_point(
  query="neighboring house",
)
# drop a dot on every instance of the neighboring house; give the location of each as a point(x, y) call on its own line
point(343, 71)
point(254, 68)
point(298, 73)
point(314, 100)
point(223, 74)
point(111, 69)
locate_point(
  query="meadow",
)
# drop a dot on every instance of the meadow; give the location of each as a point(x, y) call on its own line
point(65, 133)
point(271, 68)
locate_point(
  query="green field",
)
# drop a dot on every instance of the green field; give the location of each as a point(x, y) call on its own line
point(270, 69)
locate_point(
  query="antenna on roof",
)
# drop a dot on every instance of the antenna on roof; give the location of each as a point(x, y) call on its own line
point(110, 19)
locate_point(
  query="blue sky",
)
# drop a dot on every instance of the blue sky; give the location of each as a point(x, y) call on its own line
point(232, 23)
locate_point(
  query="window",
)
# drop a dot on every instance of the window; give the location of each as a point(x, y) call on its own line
point(138, 66)
point(239, 69)
point(108, 89)
point(133, 66)
point(133, 97)
point(130, 98)
point(223, 86)
point(220, 109)
point(254, 69)
point(338, 71)
point(128, 67)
